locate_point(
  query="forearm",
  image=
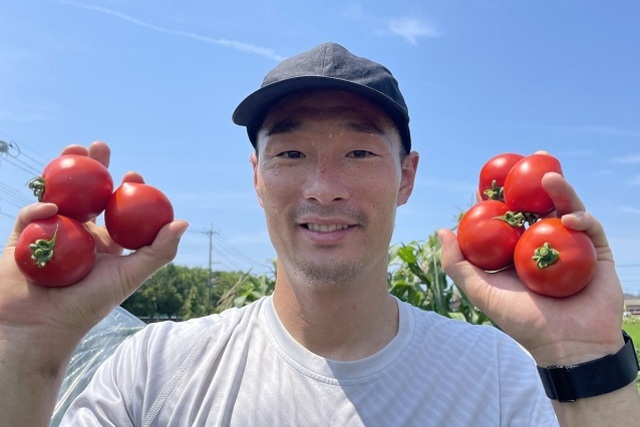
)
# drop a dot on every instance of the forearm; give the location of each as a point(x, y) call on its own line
point(30, 384)
point(596, 373)
point(621, 407)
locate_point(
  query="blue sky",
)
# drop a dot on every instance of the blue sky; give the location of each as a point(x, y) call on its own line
point(158, 81)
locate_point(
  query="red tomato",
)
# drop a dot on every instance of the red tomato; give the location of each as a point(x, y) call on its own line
point(135, 213)
point(523, 190)
point(554, 260)
point(56, 251)
point(493, 174)
point(79, 185)
point(486, 238)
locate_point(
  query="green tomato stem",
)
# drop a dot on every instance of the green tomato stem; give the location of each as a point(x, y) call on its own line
point(42, 250)
point(545, 255)
point(514, 219)
point(37, 186)
point(495, 192)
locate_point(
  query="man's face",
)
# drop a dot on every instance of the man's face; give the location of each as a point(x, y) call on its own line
point(329, 176)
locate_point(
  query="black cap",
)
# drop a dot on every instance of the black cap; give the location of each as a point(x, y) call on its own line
point(327, 66)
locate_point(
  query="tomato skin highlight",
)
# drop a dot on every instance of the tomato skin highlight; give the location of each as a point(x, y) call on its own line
point(485, 240)
point(135, 214)
point(523, 190)
point(79, 185)
point(74, 251)
point(496, 169)
point(570, 273)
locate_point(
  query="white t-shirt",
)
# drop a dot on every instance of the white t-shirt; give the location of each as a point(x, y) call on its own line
point(242, 368)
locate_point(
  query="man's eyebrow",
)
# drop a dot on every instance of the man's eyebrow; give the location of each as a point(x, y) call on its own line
point(363, 126)
point(283, 126)
point(360, 126)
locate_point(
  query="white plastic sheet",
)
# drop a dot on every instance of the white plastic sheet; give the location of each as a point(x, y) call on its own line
point(99, 343)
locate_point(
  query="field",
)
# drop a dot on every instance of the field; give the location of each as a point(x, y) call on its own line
point(633, 329)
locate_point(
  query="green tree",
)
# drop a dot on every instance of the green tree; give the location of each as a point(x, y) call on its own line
point(178, 292)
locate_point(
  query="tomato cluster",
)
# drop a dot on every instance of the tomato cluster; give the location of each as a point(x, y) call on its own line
point(511, 226)
point(59, 251)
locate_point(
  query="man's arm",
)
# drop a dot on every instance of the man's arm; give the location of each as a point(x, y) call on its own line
point(31, 374)
point(564, 331)
point(40, 327)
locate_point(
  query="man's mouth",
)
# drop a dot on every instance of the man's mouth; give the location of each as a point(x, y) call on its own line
point(324, 228)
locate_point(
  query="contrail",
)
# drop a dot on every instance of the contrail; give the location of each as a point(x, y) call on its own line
point(234, 44)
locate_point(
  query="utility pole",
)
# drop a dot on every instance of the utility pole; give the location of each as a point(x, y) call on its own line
point(210, 233)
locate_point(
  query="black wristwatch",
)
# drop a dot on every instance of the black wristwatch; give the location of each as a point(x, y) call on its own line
point(594, 378)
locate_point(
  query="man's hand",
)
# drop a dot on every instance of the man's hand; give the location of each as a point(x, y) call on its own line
point(564, 331)
point(40, 327)
point(583, 327)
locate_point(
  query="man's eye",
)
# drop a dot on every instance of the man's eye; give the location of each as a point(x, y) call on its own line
point(291, 154)
point(360, 153)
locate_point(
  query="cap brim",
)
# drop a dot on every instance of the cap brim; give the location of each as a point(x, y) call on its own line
point(254, 106)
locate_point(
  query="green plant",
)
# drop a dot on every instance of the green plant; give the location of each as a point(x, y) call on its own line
point(631, 325)
point(416, 276)
point(246, 290)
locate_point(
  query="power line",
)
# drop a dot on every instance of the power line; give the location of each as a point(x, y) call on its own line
point(15, 156)
point(24, 167)
point(37, 162)
point(12, 149)
point(14, 194)
point(8, 216)
point(237, 253)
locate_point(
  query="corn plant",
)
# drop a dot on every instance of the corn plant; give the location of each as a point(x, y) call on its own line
point(416, 276)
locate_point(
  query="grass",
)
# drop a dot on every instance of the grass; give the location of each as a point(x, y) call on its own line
point(632, 327)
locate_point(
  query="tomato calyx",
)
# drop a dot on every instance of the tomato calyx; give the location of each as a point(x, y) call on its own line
point(495, 192)
point(545, 255)
point(514, 219)
point(43, 249)
point(37, 186)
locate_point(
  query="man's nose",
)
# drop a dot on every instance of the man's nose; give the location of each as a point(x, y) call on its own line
point(327, 182)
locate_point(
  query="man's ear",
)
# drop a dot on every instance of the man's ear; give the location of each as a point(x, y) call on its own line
point(253, 158)
point(409, 169)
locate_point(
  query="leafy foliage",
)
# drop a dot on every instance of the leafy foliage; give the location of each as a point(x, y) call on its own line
point(182, 293)
point(246, 290)
point(416, 276)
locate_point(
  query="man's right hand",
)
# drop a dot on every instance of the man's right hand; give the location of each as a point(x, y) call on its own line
point(40, 327)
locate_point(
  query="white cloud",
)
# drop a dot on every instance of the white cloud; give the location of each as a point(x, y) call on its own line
point(411, 28)
point(630, 209)
point(604, 130)
point(594, 130)
point(630, 159)
point(234, 44)
point(23, 117)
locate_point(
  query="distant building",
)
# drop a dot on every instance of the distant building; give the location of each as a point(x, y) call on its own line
point(632, 306)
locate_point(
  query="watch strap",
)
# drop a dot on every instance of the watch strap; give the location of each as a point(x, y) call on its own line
point(569, 383)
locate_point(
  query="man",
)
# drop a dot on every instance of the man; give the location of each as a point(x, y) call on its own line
point(332, 162)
